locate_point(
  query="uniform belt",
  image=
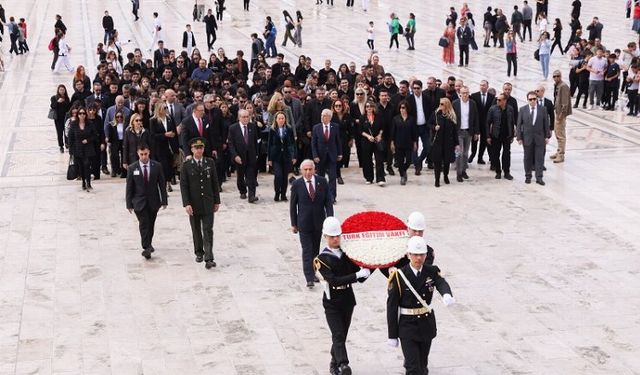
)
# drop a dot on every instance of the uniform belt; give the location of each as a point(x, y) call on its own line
point(341, 287)
point(62, 55)
point(416, 311)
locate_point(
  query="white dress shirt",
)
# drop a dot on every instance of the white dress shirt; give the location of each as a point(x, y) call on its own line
point(313, 182)
point(415, 270)
point(420, 118)
point(464, 115)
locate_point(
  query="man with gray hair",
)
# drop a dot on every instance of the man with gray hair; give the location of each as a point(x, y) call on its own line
point(243, 146)
point(468, 129)
point(326, 148)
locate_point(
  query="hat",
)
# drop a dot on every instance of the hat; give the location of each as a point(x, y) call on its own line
point(416, 245)
point(197, 142)
point(331, 227)
point(416, 221)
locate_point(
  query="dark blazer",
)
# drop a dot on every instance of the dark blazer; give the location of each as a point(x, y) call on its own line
point(211, 24)
point(77, 135)
point(190, 131)
point(530, 133)
point(247, 151)
point(185, 39)
point(323, 149)
point(426, 107)
point(473, 116)
point(337, 272)
point(162, 147)
point(413, 327)
point(483, 109)
point(551, 110)
point(306, 214)
point(444, 140)
point(140, 194)
point(434, 98)
point(494, 121)
point(217, 132)
point(312, 111)
point(404, 133)
point(157, 57)
point(130, 144)
point(281, 149)
point(199, 186)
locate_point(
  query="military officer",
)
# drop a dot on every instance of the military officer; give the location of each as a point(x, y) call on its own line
point(416, 225)
point(201, 199)
point(337, 273)
point(410, 292)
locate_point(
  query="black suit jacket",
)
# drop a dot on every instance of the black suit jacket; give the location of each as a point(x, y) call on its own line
point(216, 131)
point(237, 147)
point(483, 109)
point(190, 131)
point(210, 22)
point(306, 214)
point(426, 107)
point(331, 148)
point(162, 147)
point(185, 39)
point(551, 110)
point(140, 194)
point(413, 327)
point(473, 116)
point(157, 57)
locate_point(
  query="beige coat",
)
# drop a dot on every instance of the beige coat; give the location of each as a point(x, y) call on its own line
point(562, 100)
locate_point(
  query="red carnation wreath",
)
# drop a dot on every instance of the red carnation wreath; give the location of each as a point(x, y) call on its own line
point(374, 239)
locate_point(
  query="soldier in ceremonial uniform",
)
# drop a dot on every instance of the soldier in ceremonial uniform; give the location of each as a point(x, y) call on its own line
point(410, 292)
point(201, 199)
point(337, 273)
point(415, 227)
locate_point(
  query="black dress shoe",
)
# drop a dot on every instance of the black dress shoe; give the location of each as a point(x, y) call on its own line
point(209, 264)
point(310, 284)
point(465, 175)
point(169, 188)
point(146, 254)
point(446, 179)
point(527, 180)
point(391, 172)
point(253, 199)
point(243, 196)
point(345, 369)
point(437, 183)
point(277, 197)
point(199, 258)
point(340, 181)
point(498, 176)
point(544, 168)
point(283, 198)
point(480, 161)
point(470, 160)
point(151, 249)
point(493, 168)
point(540, 182)
point(403, 180)
point(459, 178)
point(333, 369)
point(508, 176)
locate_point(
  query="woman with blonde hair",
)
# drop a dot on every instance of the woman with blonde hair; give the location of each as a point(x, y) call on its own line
point(281, 153)
point(134, 135)
point(444, 143)
point(277, 104)
point(164, 140)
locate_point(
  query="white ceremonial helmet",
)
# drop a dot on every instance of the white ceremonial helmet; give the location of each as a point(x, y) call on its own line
point(331, 227)
point(416, 221)
point(417, 245)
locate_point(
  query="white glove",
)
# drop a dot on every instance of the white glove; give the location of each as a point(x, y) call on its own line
point(448, 300)
point(364, 272)
point(392, 343)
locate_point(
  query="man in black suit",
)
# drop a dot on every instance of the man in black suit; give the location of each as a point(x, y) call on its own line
point(217, 135)
point(467, 122)
point(145, 193)
point(159, 54)
point(312, 111)
point(533, 133)
point(420, 108)
point(547, 104)
point(243, 145)
point(194, 126)
point(311, 203)
point(484, 100)
point(326, 149)
point(211, 27)
point(200, 199)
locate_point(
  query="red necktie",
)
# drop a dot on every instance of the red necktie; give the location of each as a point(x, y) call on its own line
point(146, 174)
point(312, 190)
point(326, 133)
point(200, 127)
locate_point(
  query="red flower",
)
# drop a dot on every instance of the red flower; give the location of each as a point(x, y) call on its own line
point(372, 221)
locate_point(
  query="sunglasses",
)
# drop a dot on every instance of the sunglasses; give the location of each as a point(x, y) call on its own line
point(137, 120)
point(417, 88)
point(359, 93)
point(286, 92)
point(556, 76)
point(118, 116)
point(82, 113)
point(338, 106)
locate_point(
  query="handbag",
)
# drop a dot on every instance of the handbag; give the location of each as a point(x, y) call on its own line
point(72, 170)
point(379, 145)
point(443, 42)
point(536, 54)
point(53, 115)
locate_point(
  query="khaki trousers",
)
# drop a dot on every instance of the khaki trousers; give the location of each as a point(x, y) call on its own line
point(560, 129)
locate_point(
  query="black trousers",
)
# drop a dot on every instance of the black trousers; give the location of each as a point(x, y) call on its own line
point(346, 157)
point(84, 169)
point(246, 5)
point(582, 90)
point(115, 151)
point(246, 178)
point(60, 131)
point(202, 232)
point(350, 3)
point(610, 96)
point(441, 167)
point(328, 168)
point(403, 160)
point(416, 356)
point(504, 145)
point(464, 54)
point(55, 59)
point(339, 321)
point(14, 45)
point(369, 151)
point(474, 148)
point(512, 59)
point(394, 37)
point(558, 43)
point(281, 170)
point(95, 163)
point(146, 225)
point(310, 242)
point(633, 101)
point(211, 38)
point(527, 26)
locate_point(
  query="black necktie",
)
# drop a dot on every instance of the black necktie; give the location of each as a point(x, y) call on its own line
point(418, 275)
point(484, 99)
point(199, 163)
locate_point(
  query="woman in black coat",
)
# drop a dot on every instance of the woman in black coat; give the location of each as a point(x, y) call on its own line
point(404, 138)
point(281, 154)
point(164, 140)
point(445, 140)
point(82, 138)
point(93, 118)
point(61, 104)
point(134, 136)
point(342, 117)
point(370, 129)
point(117, 130)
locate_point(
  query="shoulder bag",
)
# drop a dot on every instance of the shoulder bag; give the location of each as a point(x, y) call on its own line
point(52, 114)
point(443, 42)
point(72, 170)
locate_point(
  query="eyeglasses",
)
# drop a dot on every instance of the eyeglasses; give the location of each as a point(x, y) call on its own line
point(338, 106)
point(82, 113)
point(287, 92)
point(556, 76)
point(359, 93)
point(118, 116)
point(368, 106)
point(531, 99)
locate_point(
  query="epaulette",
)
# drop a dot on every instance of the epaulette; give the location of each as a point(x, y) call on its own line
point(317, 262)
point(394, 275)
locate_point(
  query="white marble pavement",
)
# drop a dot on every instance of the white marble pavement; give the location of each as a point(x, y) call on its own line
point(545, 277)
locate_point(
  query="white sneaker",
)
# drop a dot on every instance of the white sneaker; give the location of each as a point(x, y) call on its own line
point(591, 107)
point(367, 182)
point(381, 183)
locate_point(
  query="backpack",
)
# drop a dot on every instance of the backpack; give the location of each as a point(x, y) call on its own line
point(15, 32)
